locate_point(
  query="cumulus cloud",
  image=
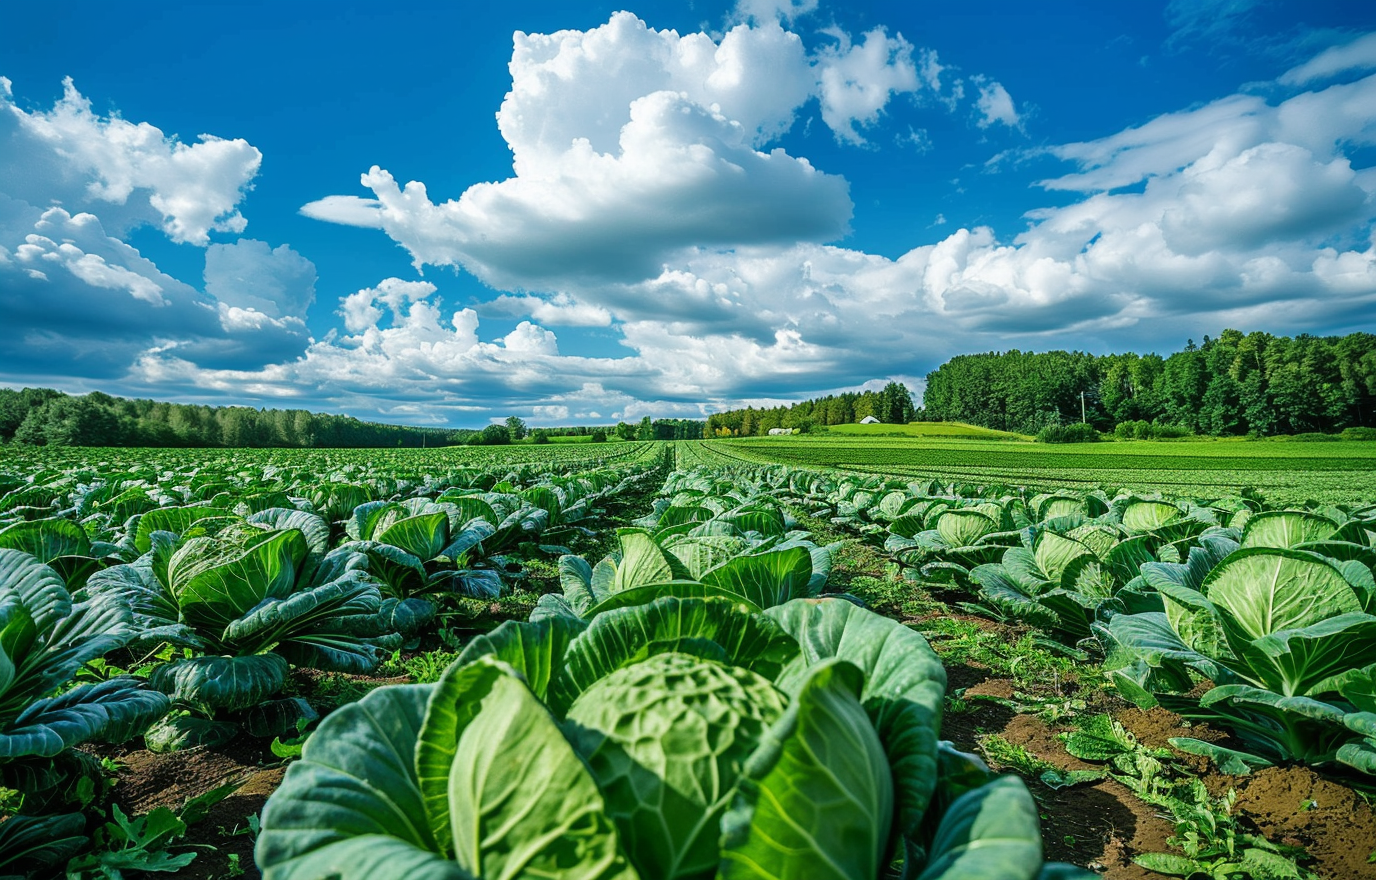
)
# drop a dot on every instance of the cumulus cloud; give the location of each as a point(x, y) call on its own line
point(683, 176)
point(81, 302)
point(632, 146)
point(559, 310)
point(251, 274)
point(85, 159)
point(858, 79)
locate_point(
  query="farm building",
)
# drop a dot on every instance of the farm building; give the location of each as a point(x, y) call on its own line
point(869, 420)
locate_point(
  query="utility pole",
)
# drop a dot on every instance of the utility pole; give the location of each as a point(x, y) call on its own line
point(1082, 408)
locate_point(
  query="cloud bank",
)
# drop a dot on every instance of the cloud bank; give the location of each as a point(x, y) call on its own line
point(651, 203)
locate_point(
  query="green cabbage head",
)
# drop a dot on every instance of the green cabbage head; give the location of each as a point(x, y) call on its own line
point(692, 738)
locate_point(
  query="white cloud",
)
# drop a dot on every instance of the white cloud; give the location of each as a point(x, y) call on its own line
point(251, 274)
point(188, 190)
point(857, 80)
point(632, 146)
point(995, 105)
point(82, 303)
point(529, 339)
point(559, 310)
point(1358, 55)
point(573, 86)
point(773, 10)
point(684, 176)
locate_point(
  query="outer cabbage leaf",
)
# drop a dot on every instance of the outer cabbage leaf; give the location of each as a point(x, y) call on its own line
point(991, 831)
point(351, 807)
point(904, 686)
point(541, 815)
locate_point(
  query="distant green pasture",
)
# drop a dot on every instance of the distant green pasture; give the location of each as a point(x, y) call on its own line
point(925, 429)
point(1287, 473)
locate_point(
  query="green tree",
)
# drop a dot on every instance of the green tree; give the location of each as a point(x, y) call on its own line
point(515, 428)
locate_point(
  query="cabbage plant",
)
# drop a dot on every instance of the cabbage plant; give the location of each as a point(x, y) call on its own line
point(45, 638)
point(419, 548)
point(1284, 634)
point(245, 605)
point(759, 573)
point(683, 738)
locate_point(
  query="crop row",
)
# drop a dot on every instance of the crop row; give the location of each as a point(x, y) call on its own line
point(1274, 608)
point(211, 583)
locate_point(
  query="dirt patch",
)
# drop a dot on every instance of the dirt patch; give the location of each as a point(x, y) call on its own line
point(1296, 806)
point(1100, 826)
point(149, 780)
point(998, 688)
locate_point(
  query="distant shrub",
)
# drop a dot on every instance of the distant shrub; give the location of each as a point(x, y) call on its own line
point(1358, 434)
point(1140, 429)
point(599, 436)
point(1314, 437)
point(492, 435)
point(1077, 433)
point(540, 436)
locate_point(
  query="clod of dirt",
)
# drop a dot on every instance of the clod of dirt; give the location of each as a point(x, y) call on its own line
point(1294, 805)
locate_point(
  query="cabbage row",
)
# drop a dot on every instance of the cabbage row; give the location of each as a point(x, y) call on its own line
point(683, 710)
point(224, 581)
point(1273, 610)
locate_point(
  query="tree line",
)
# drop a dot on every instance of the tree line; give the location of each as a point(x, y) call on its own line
point(1236, 384)
point(891, 405)
point(44, 417)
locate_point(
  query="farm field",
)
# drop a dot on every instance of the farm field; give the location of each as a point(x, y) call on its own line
point(1283, 472)
point(925, 429)
point(239, 624)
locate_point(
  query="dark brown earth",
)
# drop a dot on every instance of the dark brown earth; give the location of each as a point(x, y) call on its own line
point(148, 780)
point(1104, 825)
point(1296, 806)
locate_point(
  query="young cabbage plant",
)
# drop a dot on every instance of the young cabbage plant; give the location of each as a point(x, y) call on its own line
point(761, 574)
point(418, 549)
point(1058, 582)
point(245, 605)
point(1281, 633)
point(45, 638)
point(683, 739)
point(959, 540)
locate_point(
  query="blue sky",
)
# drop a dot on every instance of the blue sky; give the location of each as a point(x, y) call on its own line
point(450, 213)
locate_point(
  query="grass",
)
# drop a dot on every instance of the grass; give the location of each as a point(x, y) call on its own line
point(926, 429)
point(1285, 473)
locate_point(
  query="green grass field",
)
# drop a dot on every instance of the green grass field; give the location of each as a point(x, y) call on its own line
point(955, 430)
point(1289, 473)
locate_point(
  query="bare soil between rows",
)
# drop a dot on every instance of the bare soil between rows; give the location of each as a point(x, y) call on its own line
point(1103, 825)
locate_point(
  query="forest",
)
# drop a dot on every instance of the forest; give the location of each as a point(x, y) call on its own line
point(45, 417)
point(1235, 384)
point(892, 405)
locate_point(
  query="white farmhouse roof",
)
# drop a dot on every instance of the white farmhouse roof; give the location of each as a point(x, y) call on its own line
point(869, 420)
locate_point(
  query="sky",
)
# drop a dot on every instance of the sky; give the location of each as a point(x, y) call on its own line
point(582, 213)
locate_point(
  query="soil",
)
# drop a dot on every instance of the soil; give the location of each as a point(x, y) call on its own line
point(1296, 806)
point(149, 780)
point(1104, 825)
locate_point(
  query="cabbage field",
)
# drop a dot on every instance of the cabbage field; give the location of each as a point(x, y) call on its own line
point(759, 659)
